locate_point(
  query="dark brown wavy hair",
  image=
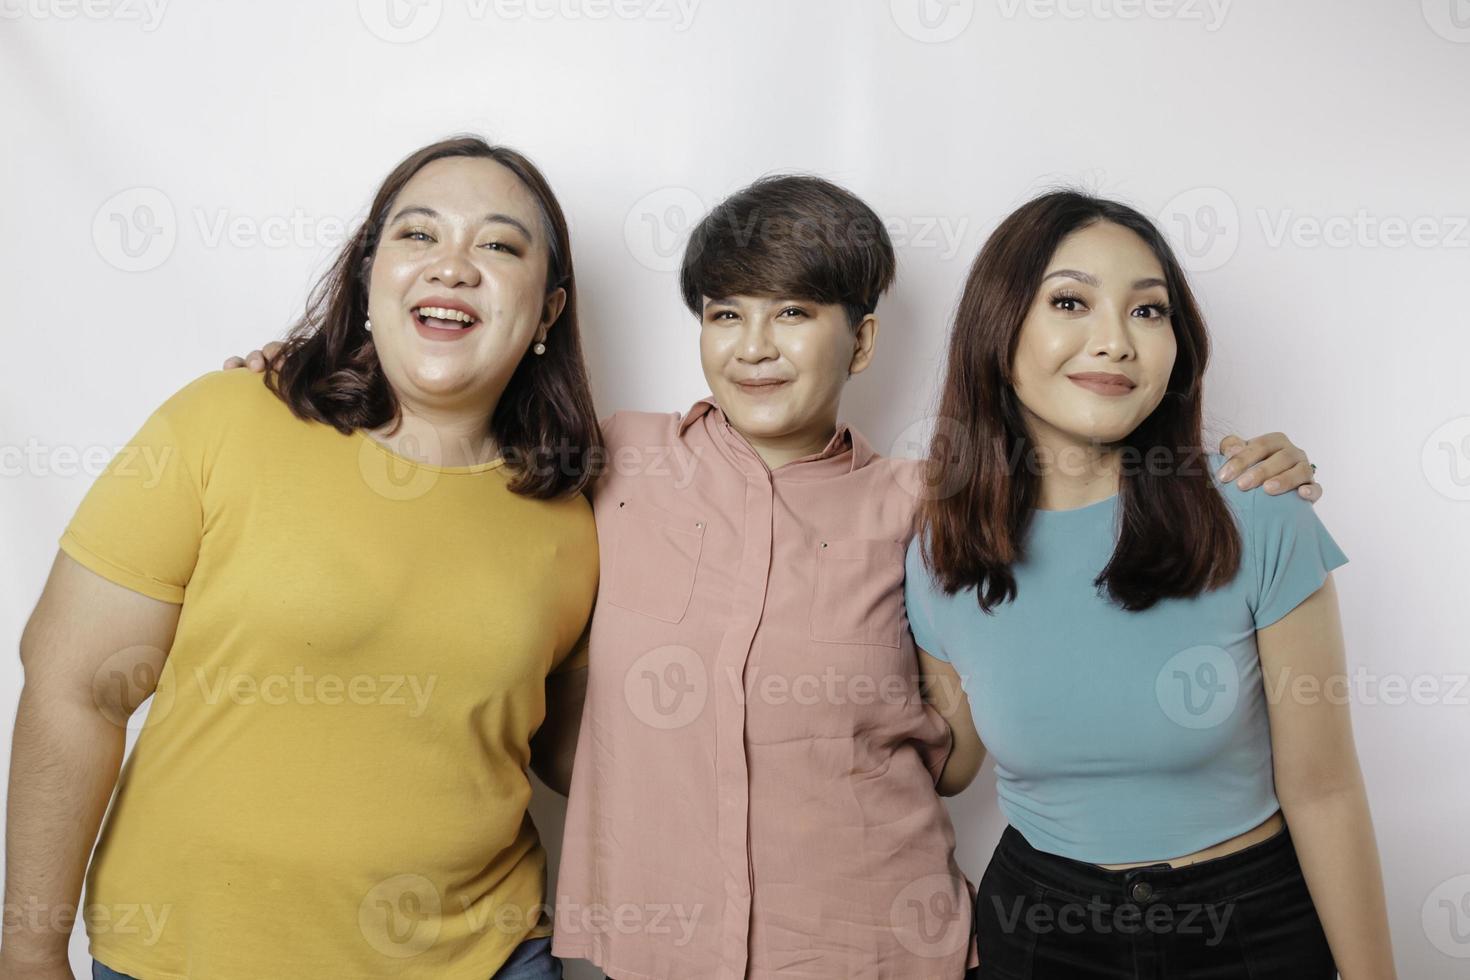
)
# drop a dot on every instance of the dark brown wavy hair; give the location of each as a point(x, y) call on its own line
point(544, 423)
point(1176, 537)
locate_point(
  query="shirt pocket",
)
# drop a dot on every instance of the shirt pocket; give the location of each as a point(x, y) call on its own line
point(654, 559)
point(858, 596)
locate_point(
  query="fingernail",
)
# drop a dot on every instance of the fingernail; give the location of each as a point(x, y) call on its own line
point(1244, 483)
point(1272, 486)
point(1228, 473)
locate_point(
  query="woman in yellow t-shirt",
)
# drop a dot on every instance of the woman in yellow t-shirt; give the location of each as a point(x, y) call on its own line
point(346, 588)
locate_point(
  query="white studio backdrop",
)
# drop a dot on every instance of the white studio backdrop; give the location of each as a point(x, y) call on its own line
point(177, 175)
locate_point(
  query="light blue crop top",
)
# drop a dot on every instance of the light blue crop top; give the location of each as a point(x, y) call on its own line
point(1126, 736)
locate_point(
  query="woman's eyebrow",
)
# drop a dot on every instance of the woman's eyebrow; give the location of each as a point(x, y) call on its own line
point(1091, 280)
point(495, 217)
point(1072, 274)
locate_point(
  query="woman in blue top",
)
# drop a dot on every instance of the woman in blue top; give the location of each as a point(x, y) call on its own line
point(1150, 654)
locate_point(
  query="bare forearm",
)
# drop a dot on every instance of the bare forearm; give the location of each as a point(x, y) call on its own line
point(1334, 840)
point(64, 764)
point(960, 769)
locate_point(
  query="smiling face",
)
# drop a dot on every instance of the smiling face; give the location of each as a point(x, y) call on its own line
point(1097, 346)
point(777, 367)
point(457, 290)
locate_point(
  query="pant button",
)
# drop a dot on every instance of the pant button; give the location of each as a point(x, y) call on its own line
point(1142, 891)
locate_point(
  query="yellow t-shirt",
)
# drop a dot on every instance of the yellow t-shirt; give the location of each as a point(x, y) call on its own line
point(331, 781)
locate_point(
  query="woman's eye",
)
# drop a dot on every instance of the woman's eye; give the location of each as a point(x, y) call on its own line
point(1155, 311)
point(721, 314)
point(793, 311)
point(417, 235)
point(501, 247)
point(1068, 304)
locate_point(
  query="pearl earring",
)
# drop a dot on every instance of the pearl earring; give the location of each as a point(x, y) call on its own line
point(368, 325)
point(540, 348)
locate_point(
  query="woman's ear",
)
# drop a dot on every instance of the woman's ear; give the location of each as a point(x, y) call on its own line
point(865, 341)
point(365, 277)
point(556, 301)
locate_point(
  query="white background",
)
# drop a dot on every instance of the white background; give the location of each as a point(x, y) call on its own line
point(1310, 159)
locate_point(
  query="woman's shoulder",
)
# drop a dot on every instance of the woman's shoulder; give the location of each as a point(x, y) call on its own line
point(1255, 507)
point(220, 391)
point(643, 429)
point(214, 407)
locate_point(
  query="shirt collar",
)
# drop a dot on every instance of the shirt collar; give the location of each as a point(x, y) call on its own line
point(844, 439)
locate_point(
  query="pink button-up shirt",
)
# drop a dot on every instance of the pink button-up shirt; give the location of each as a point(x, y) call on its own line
point(754, 786)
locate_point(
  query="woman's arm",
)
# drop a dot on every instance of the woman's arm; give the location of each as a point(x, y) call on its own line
point(1320, 786)
point(92, 652)
point(944, 693)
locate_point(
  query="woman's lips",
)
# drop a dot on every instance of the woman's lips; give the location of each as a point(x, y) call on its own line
point(763, 387)
point(1102, 384)
point(435, 329)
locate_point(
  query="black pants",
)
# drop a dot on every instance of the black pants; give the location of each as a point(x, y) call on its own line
point(1245, 916)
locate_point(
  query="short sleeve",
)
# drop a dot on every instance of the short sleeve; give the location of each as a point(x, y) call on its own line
point(918, 596)
point(1291, 552)
point(141, 522)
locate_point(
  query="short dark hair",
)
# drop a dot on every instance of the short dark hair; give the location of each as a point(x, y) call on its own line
point(329, 370)
point(790, 235)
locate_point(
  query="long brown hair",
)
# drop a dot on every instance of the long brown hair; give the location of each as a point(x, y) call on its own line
point(1176, 538)
point(544, 423)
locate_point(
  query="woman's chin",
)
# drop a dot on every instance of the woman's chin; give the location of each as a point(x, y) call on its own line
point(444, 389)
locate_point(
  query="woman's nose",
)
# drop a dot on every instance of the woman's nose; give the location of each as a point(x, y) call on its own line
point(1111, 336)
point(756, 343)
point(453, 269)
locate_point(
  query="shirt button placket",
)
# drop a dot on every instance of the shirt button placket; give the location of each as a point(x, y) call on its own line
point(732, 772)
